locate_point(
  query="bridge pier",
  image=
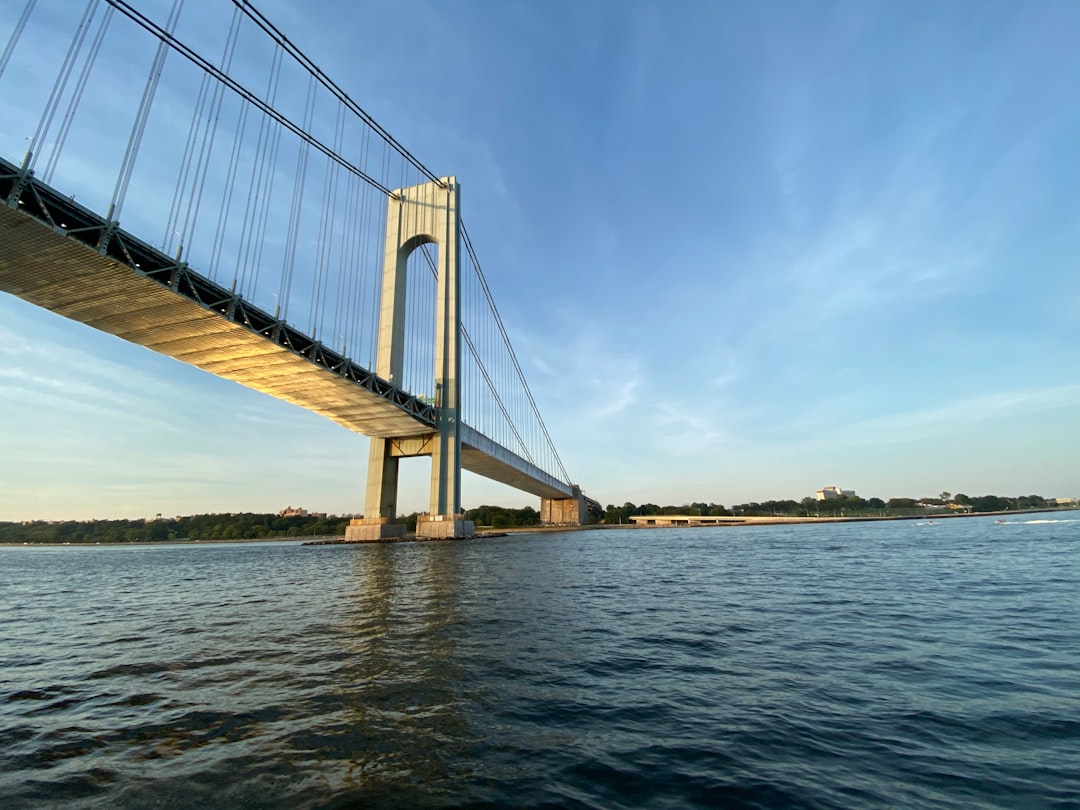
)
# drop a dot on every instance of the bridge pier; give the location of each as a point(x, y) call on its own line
point(373, 530)
point(443, 527)
point(564, 511)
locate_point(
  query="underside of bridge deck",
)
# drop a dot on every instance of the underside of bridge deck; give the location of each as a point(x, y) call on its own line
point(45, 266)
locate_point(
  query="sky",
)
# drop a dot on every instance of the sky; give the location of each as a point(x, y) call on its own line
point(743, 251)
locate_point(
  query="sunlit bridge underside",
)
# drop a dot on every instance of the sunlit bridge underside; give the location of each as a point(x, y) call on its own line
point(63, 257)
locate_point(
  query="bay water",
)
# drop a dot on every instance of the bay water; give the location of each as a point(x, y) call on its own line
point(899, 664)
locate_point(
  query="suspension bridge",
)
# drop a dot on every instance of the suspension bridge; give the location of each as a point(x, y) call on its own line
point(248, 217)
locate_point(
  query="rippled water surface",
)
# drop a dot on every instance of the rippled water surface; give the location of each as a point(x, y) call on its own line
point(855, 665)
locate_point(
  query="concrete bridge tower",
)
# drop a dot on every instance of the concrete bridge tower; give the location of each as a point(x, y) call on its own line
point(426, 213)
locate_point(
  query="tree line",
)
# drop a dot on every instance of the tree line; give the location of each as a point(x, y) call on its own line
point(251, 526)
point(499, 517)
point(842, 506)
point(243, 526)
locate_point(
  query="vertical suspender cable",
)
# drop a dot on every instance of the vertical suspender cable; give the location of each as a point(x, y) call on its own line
point(348, 273)
point(363, 252)
point(205, 145)
point(376, 302)
point(339, 222)
point(324, 246)
point(351, 238)
point(226, 197)
point(185, 167)
point(292, 237)
point(60, 85)
point(77, 94)
point(209, 135)
point(141, 117)
point(359, 238)
point(428, 296)
point(264, 206)
point(14, 38)
point(373, 224)
point(256, 199)
point(247, 240)
point(369, 289)
point(317, 277)
point(477, 331)
point(412, 344)
point(429, 316)
point(409, 350)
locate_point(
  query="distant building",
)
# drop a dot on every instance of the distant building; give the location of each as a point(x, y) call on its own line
point(299, 511)
point(1064, 501)
point(829, 493)
point(684, 520)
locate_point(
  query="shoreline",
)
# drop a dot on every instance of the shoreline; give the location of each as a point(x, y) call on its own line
point(765, 520)
point(729, 521)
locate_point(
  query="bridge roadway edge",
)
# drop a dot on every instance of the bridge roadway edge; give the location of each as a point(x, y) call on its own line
point(54, 267)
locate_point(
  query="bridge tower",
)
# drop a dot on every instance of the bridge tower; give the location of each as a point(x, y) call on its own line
point(418, 215)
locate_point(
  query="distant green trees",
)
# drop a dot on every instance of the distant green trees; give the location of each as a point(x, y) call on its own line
point(843, 506)
point(498, 517)
point(250, 526)
point(768, 508)
point(622, 514)
point(244, 526)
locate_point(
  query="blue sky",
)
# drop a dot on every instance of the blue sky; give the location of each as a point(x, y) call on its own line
point(743, 251)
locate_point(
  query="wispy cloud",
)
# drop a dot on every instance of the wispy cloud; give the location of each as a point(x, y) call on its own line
point(614, 398)
point(687, 429)
point(963, 415)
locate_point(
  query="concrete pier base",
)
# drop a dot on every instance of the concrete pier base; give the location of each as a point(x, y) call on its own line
point(563, 511)
point(372, 530)
point(443, 527)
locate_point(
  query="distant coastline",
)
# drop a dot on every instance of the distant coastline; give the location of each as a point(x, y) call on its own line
point(177, 542)
point(759, 520)
point(486, 532)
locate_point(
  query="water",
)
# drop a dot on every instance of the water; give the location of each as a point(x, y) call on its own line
point(855, 665)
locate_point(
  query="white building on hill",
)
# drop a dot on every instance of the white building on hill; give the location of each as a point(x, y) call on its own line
point(828, 493)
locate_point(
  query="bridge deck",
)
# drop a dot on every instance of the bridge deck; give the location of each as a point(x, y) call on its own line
point(54, 271)
point(481, 455)
point(189, 318)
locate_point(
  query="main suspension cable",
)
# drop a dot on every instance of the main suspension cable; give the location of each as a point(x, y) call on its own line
point(189, 54)
point(274, 33)
point(510, 349)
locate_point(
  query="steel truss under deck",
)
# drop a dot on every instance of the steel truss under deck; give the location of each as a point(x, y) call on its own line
point(61, 256)
point(20, 189)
